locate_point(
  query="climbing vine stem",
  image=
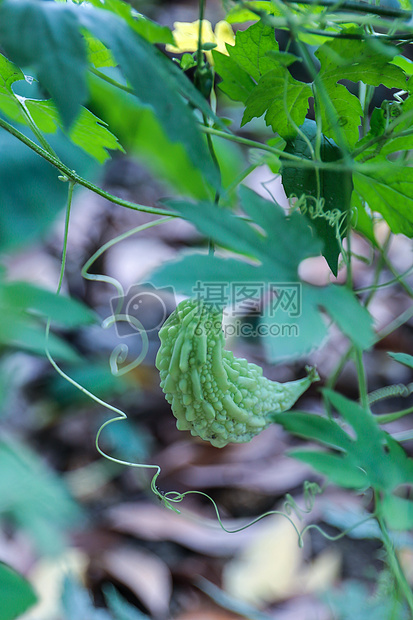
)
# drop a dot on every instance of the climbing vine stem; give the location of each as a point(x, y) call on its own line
point(392, 558)
point(76, 178)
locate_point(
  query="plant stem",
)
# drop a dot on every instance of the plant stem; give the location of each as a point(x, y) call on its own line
point(398, 277)
point(66, 234)
point(393, 560)
point(395, 324)
point(289, 160)
point(111, 81)
point(361, 373)
point(405, 37)
point(378, 269)
point(43, 142)
point(76, 178)
point(385, 418)
point(358, 7)
point(199, 53)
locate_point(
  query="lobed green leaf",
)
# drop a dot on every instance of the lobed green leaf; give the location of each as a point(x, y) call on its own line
point(16, 593)
point(46, 36)
point(281, 244)
point(35, 498)
point(389, 191)
point(283, 99)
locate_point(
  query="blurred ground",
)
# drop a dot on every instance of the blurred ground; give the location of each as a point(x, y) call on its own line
point(169, 565)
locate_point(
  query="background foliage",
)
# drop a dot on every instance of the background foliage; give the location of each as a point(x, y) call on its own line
point(318, 95)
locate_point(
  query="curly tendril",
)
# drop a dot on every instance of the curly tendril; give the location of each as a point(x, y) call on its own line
point(169, 499)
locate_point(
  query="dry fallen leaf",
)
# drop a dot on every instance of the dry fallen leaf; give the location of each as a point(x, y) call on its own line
point(271, 567)
point(152, 522)
point(47, 580)
point(266, 570)
point(207, 615)
point(322, 572)
point(278, 475)
point(144, 573)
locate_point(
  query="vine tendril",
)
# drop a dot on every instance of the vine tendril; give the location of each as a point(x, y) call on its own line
point(170, 498)
point(389, 391)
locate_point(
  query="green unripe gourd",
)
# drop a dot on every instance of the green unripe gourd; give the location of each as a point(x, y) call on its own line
point(213, 394)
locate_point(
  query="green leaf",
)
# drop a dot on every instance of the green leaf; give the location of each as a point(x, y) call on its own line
point(345, 310)
point(389, 191)
point(340, 470)
point(119, 606)
point(283, 99)
point(294, 334)
point(285, 59)
point(279, 247)
point(236, 83)
point(353, 600)
point(388, 188)
point(314, 427)
point(88, 131)
point(388, 142)
point(376, 453)
point(35, 498)
point(16, 593)
point(251, 47)
point(355, 60)
point(367, 60)
point(22, 332)
point(297, 334)
point(403, 63)
point(402, 358)
point(157, 83)
point(360, 419)
point(328, 219)
point(347, 113)
point(41, 302)
point(234, 233)
point(35, 199)
point(22, 305)
point(97, 53)
point(247, 60)
point(9, 74)
point(142, 135)
point(146, 28)
point(45, 35)
point(401, 471)
point(398, 512)
point(240, 14)
point(404, 114)
point(77, 602)
point(370, 459)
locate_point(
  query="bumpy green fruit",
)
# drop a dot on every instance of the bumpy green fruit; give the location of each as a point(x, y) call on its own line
point(213, 394)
